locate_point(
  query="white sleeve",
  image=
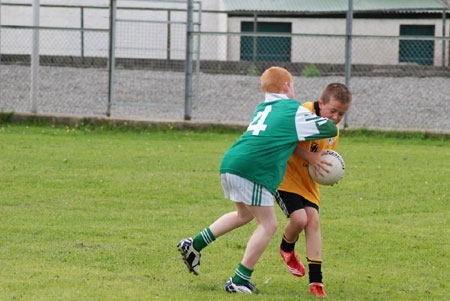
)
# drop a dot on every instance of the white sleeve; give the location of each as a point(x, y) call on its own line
point(311, 127)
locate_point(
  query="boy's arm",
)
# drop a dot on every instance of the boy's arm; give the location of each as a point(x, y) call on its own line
point(313, 158)
point(312, 127)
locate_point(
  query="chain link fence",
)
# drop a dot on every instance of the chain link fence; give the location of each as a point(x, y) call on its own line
point(405, 96)
point(399, 81)
point(150, 53)
point(68, 83)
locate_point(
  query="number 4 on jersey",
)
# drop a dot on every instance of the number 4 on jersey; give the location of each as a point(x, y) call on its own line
point(257, 123)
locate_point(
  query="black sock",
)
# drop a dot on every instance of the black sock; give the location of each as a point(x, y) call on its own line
point(288, 246)
point(315, 270)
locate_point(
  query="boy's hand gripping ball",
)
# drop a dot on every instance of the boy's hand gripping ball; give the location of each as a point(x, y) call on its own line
point(336, 170)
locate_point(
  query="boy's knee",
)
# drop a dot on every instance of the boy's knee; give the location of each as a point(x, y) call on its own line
point(299, 221)
point(272, 227)
point(313, 224)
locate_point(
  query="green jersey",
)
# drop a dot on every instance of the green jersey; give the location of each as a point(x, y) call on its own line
point(261, 153)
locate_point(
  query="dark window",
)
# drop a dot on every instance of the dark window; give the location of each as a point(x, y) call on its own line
point(266, 49)
point(417, 51)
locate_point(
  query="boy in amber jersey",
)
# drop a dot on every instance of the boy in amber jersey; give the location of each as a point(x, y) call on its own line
point(298, 194)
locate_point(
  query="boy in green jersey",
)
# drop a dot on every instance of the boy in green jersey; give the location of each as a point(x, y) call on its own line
point(253, 168)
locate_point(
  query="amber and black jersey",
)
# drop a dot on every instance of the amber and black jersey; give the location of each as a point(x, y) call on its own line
point(296, 178)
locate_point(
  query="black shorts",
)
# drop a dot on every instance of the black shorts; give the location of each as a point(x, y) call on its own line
point(290, 202)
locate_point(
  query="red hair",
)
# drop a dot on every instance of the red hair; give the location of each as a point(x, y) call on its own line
point(273, 79)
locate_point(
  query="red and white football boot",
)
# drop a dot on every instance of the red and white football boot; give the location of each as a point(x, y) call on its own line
point(316, 288)
point(294, 264)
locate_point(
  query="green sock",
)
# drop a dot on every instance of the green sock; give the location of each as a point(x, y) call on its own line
point(203, 239)
point(242, 274)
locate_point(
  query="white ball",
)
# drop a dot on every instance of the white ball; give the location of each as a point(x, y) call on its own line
point(336, 171)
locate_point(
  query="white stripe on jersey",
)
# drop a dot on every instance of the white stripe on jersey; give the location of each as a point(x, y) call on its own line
point(305, 123)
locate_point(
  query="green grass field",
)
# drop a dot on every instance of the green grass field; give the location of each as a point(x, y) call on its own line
point(95, 214)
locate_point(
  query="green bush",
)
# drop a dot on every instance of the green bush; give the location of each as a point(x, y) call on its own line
point(311, 71)
point(253, 71)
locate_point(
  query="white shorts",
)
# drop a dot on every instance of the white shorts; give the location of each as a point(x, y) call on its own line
point(241, 190)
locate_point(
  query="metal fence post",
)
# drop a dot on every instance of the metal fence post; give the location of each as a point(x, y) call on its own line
point(188, 67)
point(168, 33)
point(444, 12)
point(255, 38)
point(35, 57)
point(197, 66)
point(82, 31)
point(111, 58)
point(348, 51)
